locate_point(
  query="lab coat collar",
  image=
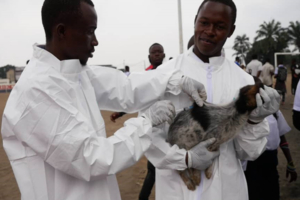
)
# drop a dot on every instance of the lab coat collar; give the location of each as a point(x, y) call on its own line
point(216, 62)
point(64, 67)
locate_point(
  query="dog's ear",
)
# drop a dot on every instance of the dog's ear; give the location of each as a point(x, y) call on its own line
point(247, 98)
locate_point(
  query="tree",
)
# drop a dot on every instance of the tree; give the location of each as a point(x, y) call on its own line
point(271, 38)
point(294, 34)
point(241, 46)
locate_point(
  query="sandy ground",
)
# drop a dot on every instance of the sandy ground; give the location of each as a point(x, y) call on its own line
point(130, 180)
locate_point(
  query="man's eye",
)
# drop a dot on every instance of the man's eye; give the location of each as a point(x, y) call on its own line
point(221, 27)
point(204, 23)
point(91, 31)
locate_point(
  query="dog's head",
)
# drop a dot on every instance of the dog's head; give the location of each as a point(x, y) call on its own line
point(247, 97)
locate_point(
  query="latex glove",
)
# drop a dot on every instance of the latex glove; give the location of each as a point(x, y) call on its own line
point(194, 89)
point(297, 71)
point(200, 157)
point(160, 112)
point(271, 104)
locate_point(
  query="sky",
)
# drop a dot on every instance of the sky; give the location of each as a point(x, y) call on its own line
point(127, 28)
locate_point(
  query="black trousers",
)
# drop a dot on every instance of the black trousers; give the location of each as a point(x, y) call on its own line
point(296, 119)
point(294, 84)
point(148, 182)
point(262, 177)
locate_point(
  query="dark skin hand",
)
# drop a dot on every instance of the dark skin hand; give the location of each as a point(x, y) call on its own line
point(114, 116)
point(293, 175)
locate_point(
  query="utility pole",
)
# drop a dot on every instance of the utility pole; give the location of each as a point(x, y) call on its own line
point(180, 28)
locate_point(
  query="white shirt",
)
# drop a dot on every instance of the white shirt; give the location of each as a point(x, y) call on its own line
point(253, 67)
point(278, 127)
point(54, 134)
point(222, 80)
point(297, 99)
point(265, 75)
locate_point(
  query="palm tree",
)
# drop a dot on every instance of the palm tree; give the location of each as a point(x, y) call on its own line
point(294, 33)
point(241, 46)
point(269, 32)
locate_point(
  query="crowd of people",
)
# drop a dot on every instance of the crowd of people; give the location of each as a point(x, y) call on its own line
point(262, 175)
point(54, 134)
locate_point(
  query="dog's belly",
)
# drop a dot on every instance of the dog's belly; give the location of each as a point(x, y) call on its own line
point(189, 135)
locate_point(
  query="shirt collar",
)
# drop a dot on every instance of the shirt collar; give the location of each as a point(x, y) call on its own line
point(213, 61)
point(65, 66)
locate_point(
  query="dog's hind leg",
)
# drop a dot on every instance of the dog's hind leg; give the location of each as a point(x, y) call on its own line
point(196, 176)
point(186, 176)
point(209, 171)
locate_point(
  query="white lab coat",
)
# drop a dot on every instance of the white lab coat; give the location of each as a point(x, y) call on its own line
point(297, 98)
point(222, 80)
point(54, 135)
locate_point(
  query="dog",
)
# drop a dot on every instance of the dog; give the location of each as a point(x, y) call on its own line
point(211, 121)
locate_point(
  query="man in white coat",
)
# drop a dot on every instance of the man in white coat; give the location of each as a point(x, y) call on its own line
point(206, 63)
point(52, 129)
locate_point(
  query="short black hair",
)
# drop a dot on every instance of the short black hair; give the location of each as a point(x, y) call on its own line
point(229, 3)
point(237, 58)
point(60, 11)
point(154, 45)
point(254, 56)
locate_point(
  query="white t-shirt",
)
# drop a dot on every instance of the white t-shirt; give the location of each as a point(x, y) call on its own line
point(278, 127)
point(253, 67)
point(265, 75)
point(297, 99)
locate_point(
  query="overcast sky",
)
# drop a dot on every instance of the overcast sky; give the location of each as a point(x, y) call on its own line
point(126, 28)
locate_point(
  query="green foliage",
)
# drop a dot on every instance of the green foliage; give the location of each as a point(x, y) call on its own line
point(294, 33)
point(271, 37)
point(241, 46)
point(4, 69)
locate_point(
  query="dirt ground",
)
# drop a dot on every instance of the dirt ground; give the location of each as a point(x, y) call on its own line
point(130, 180)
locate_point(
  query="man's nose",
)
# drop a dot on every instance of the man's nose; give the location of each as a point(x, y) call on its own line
point(95, 41)
point(210, 30)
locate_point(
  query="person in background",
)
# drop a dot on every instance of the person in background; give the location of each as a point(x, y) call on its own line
point(156, 57)
point(254, 67)
point(281, 76)
point(295, 68)
point(296, 108)
point(267, 73)
point(237, 61)
point(127, 70)
point(261, 174)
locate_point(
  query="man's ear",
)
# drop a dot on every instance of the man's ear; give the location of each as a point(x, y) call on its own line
point(60, 31)
point(149, 59)
point(231, 31)
point(164, 55)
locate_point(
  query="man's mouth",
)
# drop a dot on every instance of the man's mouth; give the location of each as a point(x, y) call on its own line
point(206, 41)
point(91, 54)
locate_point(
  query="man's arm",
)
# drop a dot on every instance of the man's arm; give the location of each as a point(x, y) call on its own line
point(64, 138)
point(116, 92)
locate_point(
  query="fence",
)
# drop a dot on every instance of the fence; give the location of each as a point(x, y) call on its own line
point(6, 88)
